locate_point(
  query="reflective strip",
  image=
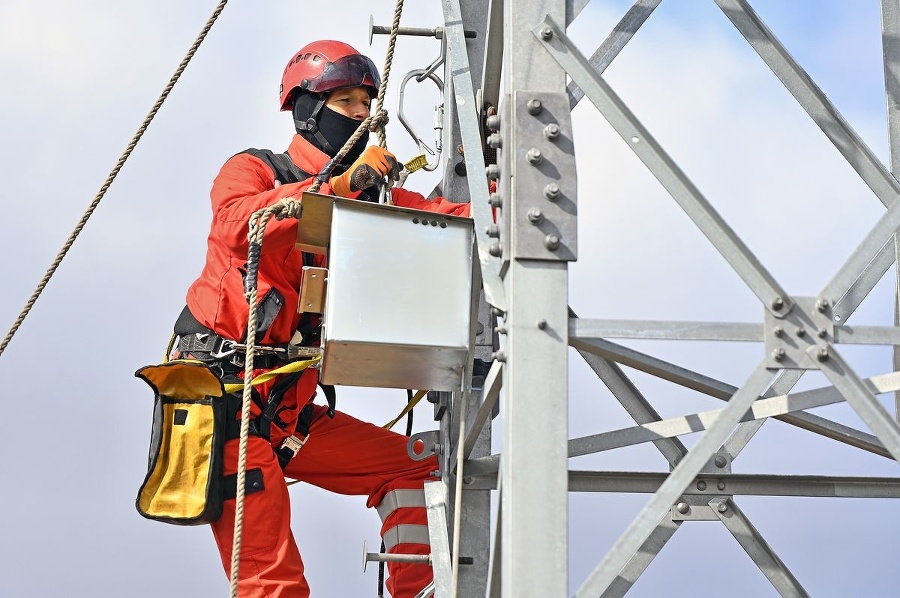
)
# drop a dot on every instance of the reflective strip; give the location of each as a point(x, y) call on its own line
point(405, 533)
point(398, 499)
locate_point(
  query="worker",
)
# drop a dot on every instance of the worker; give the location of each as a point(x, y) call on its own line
point(329, 87)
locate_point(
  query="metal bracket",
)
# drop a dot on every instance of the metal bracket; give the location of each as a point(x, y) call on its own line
point(789, 337)
point(544, 177)
point(431, 441)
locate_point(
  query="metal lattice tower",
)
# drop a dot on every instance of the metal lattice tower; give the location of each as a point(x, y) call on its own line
point(525, 273)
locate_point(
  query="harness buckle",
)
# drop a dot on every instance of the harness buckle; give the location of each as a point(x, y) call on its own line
point(228, 347)
point(293, 444)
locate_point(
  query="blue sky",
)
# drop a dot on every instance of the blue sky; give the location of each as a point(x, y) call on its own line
point(77, 82)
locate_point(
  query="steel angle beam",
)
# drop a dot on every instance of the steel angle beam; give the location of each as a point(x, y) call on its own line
point(660, 164)
point(634, 403)
point(721, 390)
point(756, 547)
point(614, 43)
point(860, 397)
point(464, 93)
point(436, 509)
point(697, 422)
point(649, 517)
point(665, 330)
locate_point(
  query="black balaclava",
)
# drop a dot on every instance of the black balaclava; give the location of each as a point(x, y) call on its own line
point(324, 128)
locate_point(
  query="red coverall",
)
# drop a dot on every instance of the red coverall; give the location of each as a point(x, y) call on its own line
point(342, 454)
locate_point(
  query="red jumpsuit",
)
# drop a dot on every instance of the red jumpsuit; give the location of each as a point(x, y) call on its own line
point(342, 454)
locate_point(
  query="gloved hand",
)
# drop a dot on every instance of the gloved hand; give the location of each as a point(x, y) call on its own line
point(374, 164)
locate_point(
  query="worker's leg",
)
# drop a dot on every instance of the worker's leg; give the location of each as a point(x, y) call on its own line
point(270, 564)
point(349, 456)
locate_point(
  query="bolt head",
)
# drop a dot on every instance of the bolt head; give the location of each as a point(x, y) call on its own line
point(546, 33)
point(541, 324)
point(777, 303)
point(822, 354)
point(534, 156)
point(494, 140)
point(778, 331)
point(552, 191)
point(495, 249)
point(683, 508)
point(551, 131)
point(493, 122)
point(721, 461)
point(534, 106)
point(493, 172)
point(535, 216)
point(722, 507)
point(492, 230)
point(701, 485)
point(495, 200)
point(551, 242)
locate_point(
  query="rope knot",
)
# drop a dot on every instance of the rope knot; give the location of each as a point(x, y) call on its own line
point(290, 207)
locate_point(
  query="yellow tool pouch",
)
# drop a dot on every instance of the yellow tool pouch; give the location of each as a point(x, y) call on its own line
point(184, 471)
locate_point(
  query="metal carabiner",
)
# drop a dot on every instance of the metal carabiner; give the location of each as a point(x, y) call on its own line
point(421, 75)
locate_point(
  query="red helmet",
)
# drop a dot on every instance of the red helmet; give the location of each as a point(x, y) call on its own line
point(326, 65)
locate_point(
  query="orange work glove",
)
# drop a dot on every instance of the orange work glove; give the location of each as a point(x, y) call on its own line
point(374, 164)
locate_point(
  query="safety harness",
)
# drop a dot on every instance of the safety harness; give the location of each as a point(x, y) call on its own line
point(227, 355)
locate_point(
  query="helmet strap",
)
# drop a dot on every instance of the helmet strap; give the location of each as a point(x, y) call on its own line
point(311, 126)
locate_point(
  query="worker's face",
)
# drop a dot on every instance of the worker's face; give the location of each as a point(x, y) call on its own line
point(353, 102)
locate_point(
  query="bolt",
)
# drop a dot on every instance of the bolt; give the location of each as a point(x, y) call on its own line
point(493, 122)
point(777, 303)
point(493, 172)
point(495, 200)
point(492, 231)
point(778, 354)
point(683, 508)
point(721, 461)
point(722, 507)
point(535, 216)
point(460, 150)
point(822, 305)
point(546, 33)
point(500, 329)
point(822, 354)
point(534, 106)
point(497, 312)
point(499, 356)
point(493, 141)
point(541, 324)
point(551, 242)
point(551, 131)
point(801, 332)
point(495, 249)
point(778, 331)
point(534, 156)
point(720, 485)
point(822, 333)
point(552, 191)
point(701, 485)
point(468, 479)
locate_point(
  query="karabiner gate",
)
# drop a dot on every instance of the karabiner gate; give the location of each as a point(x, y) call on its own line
point(421, 75)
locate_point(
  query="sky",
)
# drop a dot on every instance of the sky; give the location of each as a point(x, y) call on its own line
point(79, 78)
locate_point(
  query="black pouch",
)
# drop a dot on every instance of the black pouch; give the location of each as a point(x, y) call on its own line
point(184, 478)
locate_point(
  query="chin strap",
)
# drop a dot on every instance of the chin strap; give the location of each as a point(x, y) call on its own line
point(311, 126)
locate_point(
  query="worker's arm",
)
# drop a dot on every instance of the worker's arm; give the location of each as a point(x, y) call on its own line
point(411, 199)
point(245, 185)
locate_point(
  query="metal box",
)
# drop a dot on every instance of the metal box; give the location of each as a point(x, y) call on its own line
point(399, 293)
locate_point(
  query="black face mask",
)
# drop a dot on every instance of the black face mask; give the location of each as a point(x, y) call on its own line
point(326, 129)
